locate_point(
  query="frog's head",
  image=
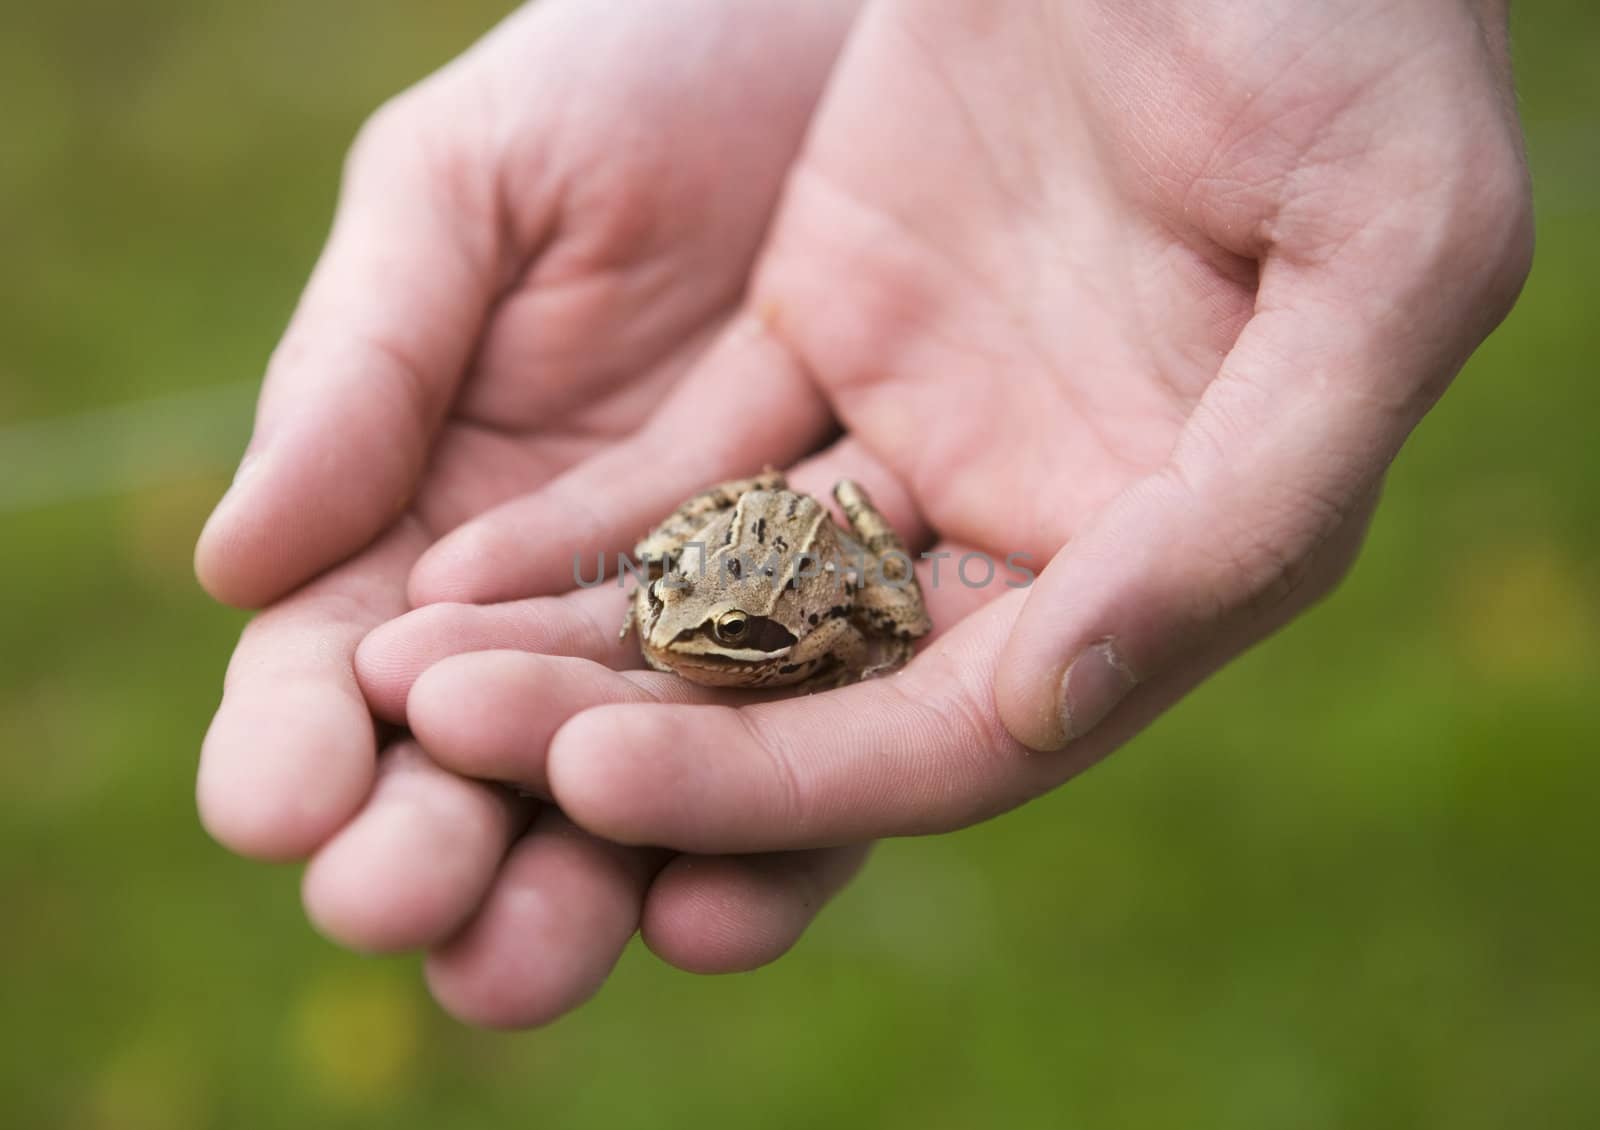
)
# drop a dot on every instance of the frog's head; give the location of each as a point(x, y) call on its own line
point(738, 630)
point(739, 636)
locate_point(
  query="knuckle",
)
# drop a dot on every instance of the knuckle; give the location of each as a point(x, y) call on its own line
point(1486, 222)
point(1258, 566)
point(416, 132)
point(981, 770)
point(1508, 235)
point(1274, 559)
point(393, 127)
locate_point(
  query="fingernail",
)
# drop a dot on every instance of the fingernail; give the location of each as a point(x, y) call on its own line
point(1095, 682)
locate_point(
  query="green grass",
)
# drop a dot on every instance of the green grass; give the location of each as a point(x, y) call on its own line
point(1351, 882)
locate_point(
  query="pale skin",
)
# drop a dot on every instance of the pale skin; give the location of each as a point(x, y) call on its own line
point(1152, 292)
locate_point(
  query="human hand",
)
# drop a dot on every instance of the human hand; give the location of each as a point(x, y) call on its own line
point(1151, 292)
point(531, 249)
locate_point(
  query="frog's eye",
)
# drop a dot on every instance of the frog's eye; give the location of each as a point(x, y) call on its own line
point(750, 633)
point(731, 626)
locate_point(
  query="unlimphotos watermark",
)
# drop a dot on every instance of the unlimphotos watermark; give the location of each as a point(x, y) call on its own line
point(973, 569)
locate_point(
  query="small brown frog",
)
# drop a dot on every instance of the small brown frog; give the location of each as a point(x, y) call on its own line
point(754, 585)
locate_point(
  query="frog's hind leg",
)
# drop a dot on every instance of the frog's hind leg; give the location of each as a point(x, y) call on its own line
point(893, 654)
point(684, 522)
point(890, 605)
point(871, 527)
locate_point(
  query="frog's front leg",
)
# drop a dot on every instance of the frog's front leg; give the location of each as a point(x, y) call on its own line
point(690, 518)
point(832, 654)
point(630, 618)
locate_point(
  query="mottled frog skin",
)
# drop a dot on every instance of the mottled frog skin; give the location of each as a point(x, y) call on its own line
point(754, 585)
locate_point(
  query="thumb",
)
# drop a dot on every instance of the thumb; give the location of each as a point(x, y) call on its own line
point(1269, 483)
point(370, 360)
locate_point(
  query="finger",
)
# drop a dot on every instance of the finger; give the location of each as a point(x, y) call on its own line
point(291, 752)
point(748, 404)
point(355, 391)
point(918, 751)
point(554, 924)
point(491, 714)
point(416, 861)
point(730, 914)
point(584, 624)
point(1279, 460)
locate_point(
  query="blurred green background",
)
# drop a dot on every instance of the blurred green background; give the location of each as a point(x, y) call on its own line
point(1352, 882)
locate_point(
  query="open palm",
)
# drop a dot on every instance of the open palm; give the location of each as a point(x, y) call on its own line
point(1150, 292)
point(531, 249)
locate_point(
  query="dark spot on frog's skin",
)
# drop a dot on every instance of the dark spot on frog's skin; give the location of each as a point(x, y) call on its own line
point(734, 568)
point(792, 584)
point(790, 668)
point(761, 531)
point(814, 619)
point(794, 504)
